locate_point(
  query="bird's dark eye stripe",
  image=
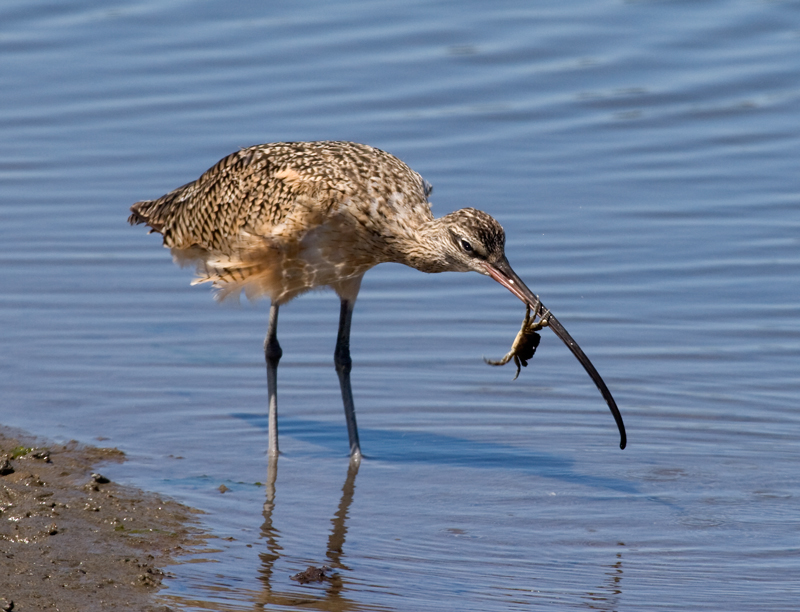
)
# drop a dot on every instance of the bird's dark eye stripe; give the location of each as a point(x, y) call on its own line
point(466, 246)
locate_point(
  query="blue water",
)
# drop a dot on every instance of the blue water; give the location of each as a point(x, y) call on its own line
point(643, 158)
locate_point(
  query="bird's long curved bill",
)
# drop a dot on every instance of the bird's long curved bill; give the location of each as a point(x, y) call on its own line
point(503, 274)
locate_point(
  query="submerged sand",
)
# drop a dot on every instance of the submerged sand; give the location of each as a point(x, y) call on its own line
point(70, 540)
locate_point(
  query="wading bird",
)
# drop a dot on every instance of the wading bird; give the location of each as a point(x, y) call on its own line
point(280, 219)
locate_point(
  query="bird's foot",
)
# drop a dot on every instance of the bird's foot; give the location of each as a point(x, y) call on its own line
point(524, 345)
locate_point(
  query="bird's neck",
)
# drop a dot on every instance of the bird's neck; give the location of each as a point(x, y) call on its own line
point(423, 248)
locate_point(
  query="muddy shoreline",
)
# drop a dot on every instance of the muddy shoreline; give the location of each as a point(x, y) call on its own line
point(71, 540)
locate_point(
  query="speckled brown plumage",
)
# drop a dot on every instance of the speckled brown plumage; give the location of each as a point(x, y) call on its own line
point(279, 219)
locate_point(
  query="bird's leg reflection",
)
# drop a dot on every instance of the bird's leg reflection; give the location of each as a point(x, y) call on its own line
point(332, 600)
point(268, 530)
point(339, 531)
point(339, 520)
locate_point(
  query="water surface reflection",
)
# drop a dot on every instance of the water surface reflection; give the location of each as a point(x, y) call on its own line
point(607, 596)
point(330, 595)
point(341, 590)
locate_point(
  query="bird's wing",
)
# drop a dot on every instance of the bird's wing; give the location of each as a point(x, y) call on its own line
point(261, 189)
point(252, 188)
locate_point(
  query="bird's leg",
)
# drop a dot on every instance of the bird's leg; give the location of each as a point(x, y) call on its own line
point(524, 345)
point(343, 363)
point(272, 353)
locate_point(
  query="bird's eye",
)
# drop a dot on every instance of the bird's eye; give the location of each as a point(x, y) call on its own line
point(466, 246)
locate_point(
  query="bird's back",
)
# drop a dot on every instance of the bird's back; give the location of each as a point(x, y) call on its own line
point(281, 218)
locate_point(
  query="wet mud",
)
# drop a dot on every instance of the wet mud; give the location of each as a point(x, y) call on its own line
point(70, 539)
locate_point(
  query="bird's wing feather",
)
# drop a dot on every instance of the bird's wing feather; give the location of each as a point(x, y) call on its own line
point(256, 189)
point(245, 190)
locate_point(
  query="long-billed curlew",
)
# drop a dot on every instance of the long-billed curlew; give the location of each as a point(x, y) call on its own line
point(280, 219)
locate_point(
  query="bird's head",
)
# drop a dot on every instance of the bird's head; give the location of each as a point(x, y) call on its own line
point(472, 240)
point(476, 242)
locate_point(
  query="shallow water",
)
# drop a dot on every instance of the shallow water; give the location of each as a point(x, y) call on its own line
point(643, 157)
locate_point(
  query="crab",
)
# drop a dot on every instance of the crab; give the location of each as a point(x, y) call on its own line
point(524, 345)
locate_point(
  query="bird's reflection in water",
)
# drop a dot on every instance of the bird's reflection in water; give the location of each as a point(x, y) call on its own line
point(332, 598)
point(605, 597)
